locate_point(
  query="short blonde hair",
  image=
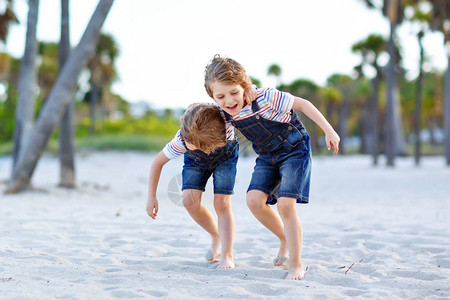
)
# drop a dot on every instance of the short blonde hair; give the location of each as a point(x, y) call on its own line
point(203, 126)
point(225, 70)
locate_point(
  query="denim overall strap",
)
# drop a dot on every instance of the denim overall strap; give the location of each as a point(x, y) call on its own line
point(255, 106)
point(196, 155)
point(229, 118)
point(267, 135)
point(277, 133)
point(213, 159)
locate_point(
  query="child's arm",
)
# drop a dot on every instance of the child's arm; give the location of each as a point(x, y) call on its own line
point(155, 173)
point(331, 137)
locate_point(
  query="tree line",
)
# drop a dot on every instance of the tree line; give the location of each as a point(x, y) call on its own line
point(383, 110)
point(31, 137)
point(387, 110)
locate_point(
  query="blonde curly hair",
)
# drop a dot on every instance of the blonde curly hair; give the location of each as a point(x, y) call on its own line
point(203, 126)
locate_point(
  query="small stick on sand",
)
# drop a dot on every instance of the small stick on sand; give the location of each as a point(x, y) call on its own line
point(349, 268)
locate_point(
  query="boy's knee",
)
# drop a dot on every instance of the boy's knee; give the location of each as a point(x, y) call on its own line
point(191, 201)
point(222, 203)
point(286, 207)
point(256, 201)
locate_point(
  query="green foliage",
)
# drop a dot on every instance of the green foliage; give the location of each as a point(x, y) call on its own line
point(274, 69)
point(432, 103)
point(6, 148)
point(147, 143)
point(48, 49)
point(301, 87)
point(339, 80)
point(332, 95)
point(123, 142)
point(107, 46)
point(363, 89)
point(256, 81)
point(374, 43)
point(7, 115)
point(151, 125)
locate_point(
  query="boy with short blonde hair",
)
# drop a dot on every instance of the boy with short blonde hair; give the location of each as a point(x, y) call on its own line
point(209, 148)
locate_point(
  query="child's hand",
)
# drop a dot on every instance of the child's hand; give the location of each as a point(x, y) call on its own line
point(250, 94)
point(152, 207)
point(332, 139)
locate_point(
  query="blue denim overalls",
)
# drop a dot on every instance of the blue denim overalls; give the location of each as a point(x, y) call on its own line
point(283, 166)
point(221, 163)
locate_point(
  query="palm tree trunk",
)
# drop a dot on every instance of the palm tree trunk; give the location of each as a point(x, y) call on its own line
point(365, 127)
point(26, 84)
point(391, 85)
point(93, 108)
point(342, 124)
point(59, 98)
point(66, 137)
point(374, 120)
point(399, 138)
point(447, 107)
point(431, 123)
point(418, 108)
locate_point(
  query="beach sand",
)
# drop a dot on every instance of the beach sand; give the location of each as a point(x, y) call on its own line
point(380, 233)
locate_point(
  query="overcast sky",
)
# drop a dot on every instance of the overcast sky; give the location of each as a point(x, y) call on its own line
point(165, 45)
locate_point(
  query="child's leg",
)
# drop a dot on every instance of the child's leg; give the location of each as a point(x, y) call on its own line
point(294, 236)
point(203, 217)
point(256, 201)
point(222, 205)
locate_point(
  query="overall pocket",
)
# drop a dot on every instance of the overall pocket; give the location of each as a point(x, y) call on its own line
point(256, 133)
point(295, 138)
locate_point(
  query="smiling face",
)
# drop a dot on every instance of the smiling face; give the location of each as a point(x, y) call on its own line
point(229, 96)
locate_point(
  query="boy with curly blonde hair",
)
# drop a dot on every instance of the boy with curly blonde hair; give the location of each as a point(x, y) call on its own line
point(283, 166)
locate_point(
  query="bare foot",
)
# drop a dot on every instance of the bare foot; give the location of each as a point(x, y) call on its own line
point(226, 263)
point(213, 254)
point(280, 261)
point(282, 256)
point(295, 274)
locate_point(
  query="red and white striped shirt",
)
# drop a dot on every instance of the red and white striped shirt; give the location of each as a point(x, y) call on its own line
point(273, 105)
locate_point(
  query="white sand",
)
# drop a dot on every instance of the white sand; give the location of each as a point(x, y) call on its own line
point(391, 226)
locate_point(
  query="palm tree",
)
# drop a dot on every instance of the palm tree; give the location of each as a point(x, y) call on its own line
point(422, 18)
point(362, 112)
point(393, 10)
point(47, 73)
point(440, 21)
point(103, 73)
point(370, 49)
point(344, 84)
point(418, 107)
point(433, 102)
point(26, 85)
point(60, 97)
point(332, 101)
point(275, 70)
point(66, 133)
